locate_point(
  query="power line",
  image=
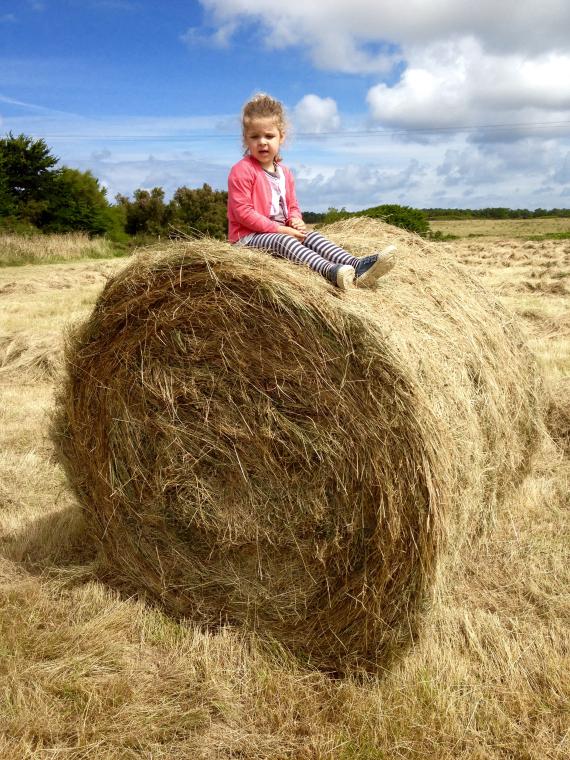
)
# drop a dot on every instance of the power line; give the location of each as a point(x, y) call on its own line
point(545, 125)
point(473, 127)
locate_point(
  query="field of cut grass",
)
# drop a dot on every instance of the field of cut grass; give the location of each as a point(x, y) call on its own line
point(87, 672)
point(527, 229)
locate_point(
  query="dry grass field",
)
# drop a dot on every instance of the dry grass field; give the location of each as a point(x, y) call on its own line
point(88, 672)
point(44, 249)
point(502, 228)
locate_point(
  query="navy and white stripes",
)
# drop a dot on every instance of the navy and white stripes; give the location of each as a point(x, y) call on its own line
point(316, 251)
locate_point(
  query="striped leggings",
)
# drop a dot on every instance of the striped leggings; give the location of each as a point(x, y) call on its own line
point(315, 251)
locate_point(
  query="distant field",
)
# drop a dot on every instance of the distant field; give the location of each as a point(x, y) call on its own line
point(502, 228)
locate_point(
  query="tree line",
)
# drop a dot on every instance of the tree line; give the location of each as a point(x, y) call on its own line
point(431, 214)
point(38, 195)
point(498, 212)
point(35, 195)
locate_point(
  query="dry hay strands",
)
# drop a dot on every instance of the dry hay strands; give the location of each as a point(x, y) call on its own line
point(558, 413)
point(27, 355)
point(253, 447)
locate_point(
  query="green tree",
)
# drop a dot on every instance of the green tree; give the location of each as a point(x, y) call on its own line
point(77, 202)
point(201, 210)
point(313, 217)
point(117, 222)
point(29, 174)
point(146, 214)
point(335, 215)
point(6, 200)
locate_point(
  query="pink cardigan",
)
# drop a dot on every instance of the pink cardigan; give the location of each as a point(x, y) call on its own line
point(249, 199)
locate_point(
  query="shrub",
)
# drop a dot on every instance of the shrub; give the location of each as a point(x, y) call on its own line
point(408, 218)
point(335, 215)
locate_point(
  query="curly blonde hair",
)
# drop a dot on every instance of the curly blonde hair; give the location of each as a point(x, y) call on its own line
point(263, 106)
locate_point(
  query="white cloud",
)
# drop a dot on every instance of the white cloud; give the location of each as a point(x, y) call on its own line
point(315, 115)
point(461, 63)
point(331, 33)
point(124, 174)
point(355, 186)
point(458, 83)
point(468, 168)
point(221, 37)
point(530, 164)
point(338, 26)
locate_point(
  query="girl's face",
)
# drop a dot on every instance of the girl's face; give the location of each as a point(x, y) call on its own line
point(263, 140)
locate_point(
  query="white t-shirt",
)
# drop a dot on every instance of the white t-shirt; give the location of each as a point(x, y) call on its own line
point(279, 212)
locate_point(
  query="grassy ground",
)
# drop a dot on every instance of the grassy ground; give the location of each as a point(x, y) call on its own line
point(86, 673)
point(503, 228)
point(45, 249)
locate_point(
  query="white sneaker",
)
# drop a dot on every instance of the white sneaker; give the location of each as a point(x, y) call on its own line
point(345, 276)
point(370, 268)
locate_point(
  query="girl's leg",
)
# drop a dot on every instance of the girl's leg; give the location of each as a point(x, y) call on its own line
point(290, 248)
point(319, 243)
point(367, 269)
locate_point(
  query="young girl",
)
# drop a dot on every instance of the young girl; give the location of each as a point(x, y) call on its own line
point(263, 211)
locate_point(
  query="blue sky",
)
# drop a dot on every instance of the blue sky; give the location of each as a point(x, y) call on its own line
point(425, 104)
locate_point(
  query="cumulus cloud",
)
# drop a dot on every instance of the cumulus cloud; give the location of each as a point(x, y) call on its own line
point(338, 25)
point(458, 83)
point(356, 186)
point(124, 174)
point(335, 34)
point(531, 163)
point(315, 115)
point(458, 63)
point(469, 169)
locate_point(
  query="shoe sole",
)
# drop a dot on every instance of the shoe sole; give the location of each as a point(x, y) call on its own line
point(345, 277)
point(383, 264)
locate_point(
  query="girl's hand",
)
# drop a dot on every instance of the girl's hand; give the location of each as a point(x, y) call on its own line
point(297, 223)
point(299, 234)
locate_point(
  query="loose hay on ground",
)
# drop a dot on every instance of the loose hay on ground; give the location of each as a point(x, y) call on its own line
point(558, 413)
point(35, 356)
point(251, 446)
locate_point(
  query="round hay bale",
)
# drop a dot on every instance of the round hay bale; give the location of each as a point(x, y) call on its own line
point(254, 447)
